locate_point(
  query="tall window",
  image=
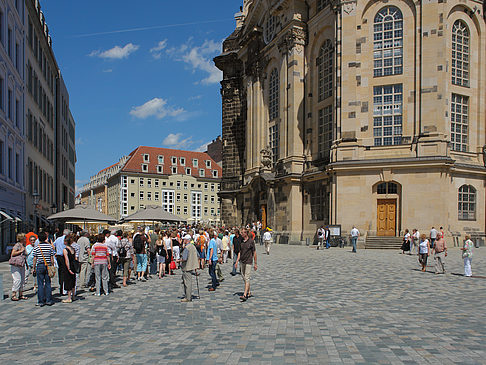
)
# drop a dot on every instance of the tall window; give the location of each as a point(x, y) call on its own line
point(467, 203)
point(324, 70)
point(459, 122)
point(274, 139)
point(325, 131)
point(168, 200)
point(273, 96)
point(196, 205)
point(388, 42)
point(460, 54)
point(387, 115)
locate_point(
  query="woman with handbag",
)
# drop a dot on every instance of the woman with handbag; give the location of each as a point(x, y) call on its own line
point(69, 276)
point(44, 269)
point(17, 268)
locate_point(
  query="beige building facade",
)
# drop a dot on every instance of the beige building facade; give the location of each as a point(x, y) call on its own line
point(366, 113)
point(184, 183)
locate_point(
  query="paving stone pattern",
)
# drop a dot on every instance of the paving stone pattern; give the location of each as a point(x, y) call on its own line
point(316, 307)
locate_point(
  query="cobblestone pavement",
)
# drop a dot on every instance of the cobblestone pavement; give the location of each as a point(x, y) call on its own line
point(318, 307)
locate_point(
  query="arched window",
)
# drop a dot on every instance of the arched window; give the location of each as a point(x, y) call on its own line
point(387, 188)
point(459, 122)
point(460, 54)
point(324, 70)
point(273, 95)
point(466, 203)
point(388, 42)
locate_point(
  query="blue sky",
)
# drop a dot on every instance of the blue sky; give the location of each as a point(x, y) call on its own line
point(139, 74)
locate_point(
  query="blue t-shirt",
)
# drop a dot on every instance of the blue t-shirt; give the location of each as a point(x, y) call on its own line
point(212, 245)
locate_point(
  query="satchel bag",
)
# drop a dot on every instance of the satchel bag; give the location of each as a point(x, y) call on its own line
point(172, 265)
point(76, 267)
point(18, 260)
point(51, 270)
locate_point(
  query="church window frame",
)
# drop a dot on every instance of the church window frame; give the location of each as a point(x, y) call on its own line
point(460, 54)
point(274, 94)
point(387, 115)
point(325, 62)
point(324, 128)
point(459, 123)
point(466, 203)
point(274, 141)
point(388, 42)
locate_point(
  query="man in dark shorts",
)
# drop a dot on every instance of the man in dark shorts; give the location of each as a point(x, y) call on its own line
point(248, 258)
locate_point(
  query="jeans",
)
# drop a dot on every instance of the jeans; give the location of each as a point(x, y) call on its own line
point(44, 291)
point(467, 266)
point(353, 241)
point(61, 264)
point(112, 271)
point(212, 273)
point(101, 274)
point(235, 256)
point(327, 243)
point(153, 264)
point(141, 262)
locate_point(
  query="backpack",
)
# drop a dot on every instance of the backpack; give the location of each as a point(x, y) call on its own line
point(122, 252)
point(138, 244)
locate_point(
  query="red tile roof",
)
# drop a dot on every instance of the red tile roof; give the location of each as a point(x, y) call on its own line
point(135, 161)
point(107, 168)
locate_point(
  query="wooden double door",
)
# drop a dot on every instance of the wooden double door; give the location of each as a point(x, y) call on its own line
point(387, 217)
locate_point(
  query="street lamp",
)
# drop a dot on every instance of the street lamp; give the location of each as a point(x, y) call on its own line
point(35, 202)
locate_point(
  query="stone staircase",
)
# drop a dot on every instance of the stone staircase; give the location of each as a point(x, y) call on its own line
point(383, 243)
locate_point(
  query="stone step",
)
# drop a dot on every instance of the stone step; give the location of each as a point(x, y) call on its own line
point(383, 243)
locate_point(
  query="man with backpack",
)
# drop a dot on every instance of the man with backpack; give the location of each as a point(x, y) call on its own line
point(139, 242)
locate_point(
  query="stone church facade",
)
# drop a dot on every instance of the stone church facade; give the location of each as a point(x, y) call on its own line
point(366, 113)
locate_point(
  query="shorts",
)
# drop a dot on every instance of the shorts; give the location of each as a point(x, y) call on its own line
point(160, 259)
point(246, 272)
point(202, 254)
point(141, 262)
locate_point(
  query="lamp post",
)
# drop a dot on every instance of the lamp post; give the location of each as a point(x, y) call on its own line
point(35, 202)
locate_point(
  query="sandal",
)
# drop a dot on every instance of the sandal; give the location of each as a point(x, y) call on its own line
point(23, 297)
point(14, 298)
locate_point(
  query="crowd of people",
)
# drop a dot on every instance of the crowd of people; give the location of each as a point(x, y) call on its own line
point(435, 244)
point(89, 262)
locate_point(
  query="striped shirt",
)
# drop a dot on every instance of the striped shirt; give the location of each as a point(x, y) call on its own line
point(99, 251)
point(44, 248)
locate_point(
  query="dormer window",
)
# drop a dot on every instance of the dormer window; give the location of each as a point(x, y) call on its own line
point(160, 159)
point(215, 173)
point(144, 167)
point(188, 171)
point(160, 169)
point(208, 164)
point(174, 160)
point(182, 161)
point(195, 162)
point(146, 157)
point(201, 172)
point(174, 169)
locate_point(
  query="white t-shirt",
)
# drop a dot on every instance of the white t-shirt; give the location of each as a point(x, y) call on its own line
point(423, 246)
point(167, 242)
point(416, 235)
point(267, 236)
point(354, 232)
point(433, 233)
point(320, 233)
point(407, 237)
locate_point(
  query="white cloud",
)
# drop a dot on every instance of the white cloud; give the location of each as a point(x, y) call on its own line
point(199, 58)
point(108, 70)
point(157, 107)
point(176, 141)
point(203, 147)
point(116, 53)
point(157, 50)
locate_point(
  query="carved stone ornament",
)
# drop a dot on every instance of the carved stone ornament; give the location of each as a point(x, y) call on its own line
point(349, 6)
point(293, 41)
point(266, 157)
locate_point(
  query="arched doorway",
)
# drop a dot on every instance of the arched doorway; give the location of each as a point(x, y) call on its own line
point(387, 209)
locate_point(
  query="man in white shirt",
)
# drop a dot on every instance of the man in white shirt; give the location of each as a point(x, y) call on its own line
point(112, 243)
point(415, 240)
point(433, 237)
point(267, 240)
point(354, 237)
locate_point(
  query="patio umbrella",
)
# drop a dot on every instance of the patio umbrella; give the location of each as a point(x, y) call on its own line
point(81, 213)
point(153, 213)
